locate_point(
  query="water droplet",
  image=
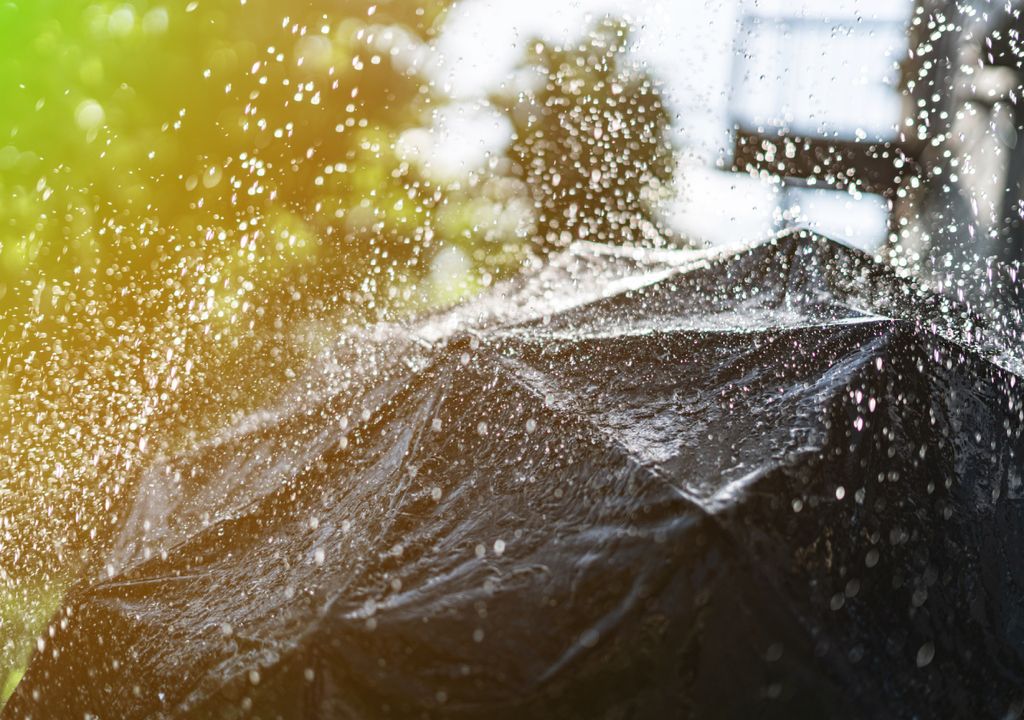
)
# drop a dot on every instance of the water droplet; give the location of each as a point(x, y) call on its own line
point(925, 654)
point(89, 115)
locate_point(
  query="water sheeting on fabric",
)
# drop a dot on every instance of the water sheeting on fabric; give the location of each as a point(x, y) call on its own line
point(775, 482)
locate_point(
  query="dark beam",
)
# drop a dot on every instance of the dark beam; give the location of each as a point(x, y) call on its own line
point(827, 163)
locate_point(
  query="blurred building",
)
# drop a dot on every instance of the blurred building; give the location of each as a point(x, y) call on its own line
point(962, 84)
point(934, 142)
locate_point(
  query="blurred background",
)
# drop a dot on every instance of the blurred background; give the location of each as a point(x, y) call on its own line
point(197, 195)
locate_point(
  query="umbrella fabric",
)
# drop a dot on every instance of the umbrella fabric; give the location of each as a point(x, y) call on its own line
point(776, 482)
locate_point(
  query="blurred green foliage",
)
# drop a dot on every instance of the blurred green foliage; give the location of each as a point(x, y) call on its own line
point(180, 184)
point(592, 141)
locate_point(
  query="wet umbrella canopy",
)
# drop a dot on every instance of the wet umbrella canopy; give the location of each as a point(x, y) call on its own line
point(778, 482)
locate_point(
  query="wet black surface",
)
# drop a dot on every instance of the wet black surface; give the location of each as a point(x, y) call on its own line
point(780, 483)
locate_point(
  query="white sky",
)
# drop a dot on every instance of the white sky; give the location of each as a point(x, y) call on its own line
point(829, 75)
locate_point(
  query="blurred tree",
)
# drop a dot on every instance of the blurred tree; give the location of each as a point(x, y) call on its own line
point(591, 140)
point(182, 185)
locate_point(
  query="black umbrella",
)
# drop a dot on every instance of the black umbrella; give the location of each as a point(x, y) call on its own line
point(778, 482)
